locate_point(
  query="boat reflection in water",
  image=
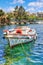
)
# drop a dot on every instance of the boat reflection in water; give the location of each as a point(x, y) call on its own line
point(19, 53)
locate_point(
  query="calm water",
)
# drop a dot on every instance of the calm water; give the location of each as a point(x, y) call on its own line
point(28, 54)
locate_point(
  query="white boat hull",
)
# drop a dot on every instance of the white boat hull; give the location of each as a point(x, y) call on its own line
point(14, 42)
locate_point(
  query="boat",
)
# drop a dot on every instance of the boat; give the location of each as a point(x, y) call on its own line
point(19, 35)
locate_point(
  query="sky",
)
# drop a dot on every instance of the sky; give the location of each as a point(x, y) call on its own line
point(32, 6)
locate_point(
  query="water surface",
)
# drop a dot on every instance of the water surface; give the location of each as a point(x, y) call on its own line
point(28, 54)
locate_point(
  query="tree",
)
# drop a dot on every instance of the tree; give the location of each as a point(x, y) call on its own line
point(16, 8)
point(16, 12)
point(10, 15)
point(1, 12)
point(21, 12)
